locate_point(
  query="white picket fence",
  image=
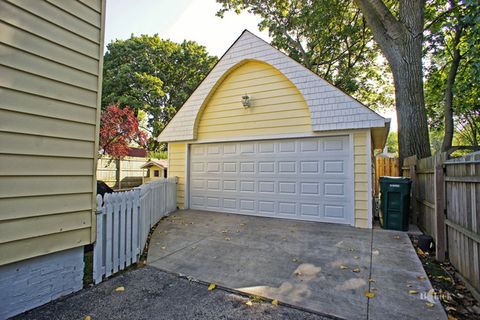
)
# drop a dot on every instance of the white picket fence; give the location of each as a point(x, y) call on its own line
point(124, 220)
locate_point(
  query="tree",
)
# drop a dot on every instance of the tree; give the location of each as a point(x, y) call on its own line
point(392, 142)
point(452, 85)
point(329, 37)
point(397, 30)
point(399, 33)
point(118, 130)
point(153, 75)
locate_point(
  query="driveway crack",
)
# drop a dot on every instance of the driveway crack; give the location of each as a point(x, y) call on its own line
point(178, 250)
point(370, 274)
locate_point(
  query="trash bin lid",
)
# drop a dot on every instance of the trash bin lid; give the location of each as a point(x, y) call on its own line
point(387, 179)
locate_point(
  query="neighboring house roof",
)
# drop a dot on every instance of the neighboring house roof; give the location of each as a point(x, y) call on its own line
point(159, 163)
point(330, 108)
point(138, 152)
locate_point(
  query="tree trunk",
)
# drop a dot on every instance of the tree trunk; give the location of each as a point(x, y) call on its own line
point(401, 42)
point(448, 106)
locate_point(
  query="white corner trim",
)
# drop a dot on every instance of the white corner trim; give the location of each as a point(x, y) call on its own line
point(352, 170)
point(186, 200)
point(369, 177)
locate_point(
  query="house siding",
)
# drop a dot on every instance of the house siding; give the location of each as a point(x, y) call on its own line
point(50, 87)
point(176, 168)
point(361, 178)
point(277, 105)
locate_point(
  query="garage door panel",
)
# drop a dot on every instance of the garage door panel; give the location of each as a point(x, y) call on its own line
point(308, 179)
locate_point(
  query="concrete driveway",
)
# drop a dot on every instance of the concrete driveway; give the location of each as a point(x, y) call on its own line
point(321, 267)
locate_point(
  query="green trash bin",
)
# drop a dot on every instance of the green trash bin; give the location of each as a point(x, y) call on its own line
point(395, 202)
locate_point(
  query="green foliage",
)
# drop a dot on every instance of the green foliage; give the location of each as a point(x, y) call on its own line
point(330, 37)
point(436, 139)
point(153, 75)
point(444, 18)
point(158, 154)
point(392, 142)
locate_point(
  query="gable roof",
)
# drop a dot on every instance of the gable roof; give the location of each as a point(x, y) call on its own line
point(330, 108)
point(159, 163)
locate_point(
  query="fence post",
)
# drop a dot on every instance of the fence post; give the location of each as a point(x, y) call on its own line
point(98, 247)
point(413, 177)
point(440, 228)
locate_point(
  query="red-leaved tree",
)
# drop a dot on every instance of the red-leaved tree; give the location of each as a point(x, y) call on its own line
point(118, 129)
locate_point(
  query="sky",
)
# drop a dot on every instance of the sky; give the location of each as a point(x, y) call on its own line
point(178, 20)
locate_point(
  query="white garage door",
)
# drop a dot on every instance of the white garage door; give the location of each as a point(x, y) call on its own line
point(306, 179)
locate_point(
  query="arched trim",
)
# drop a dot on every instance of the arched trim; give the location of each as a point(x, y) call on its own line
point(222, 78)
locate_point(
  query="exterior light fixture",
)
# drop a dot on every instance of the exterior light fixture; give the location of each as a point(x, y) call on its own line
point(246, 101)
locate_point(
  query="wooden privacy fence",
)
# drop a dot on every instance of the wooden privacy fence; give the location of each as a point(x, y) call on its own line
point(124, 220)
point(121, 174)
point(446, 206)
point(385, 167)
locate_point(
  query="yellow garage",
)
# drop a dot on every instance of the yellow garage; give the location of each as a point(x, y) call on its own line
point(262, 135)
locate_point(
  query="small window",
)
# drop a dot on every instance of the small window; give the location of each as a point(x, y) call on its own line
point(156, 173)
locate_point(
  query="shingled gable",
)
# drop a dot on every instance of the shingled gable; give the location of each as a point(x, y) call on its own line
point(330, 108)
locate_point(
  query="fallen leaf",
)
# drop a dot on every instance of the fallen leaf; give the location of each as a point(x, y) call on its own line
point(212, 286)
point(369, 294)
point(88, 318)
point(409, 286)
point(429, 304)
point(356, 270)
point(356, 257)
point(351, 249)
point(375, 252)
point(294, 259)
point(412, 291)
point(227, 238)
point(224, 231)
point(120, 289)
point(422, 278)
point(343, 267)
point(420, 252)
point(297, 273)
point(242, 224)
point(371, 280)
point(163, 248)
point(450, 317)
point(396, 237)
point(275, 302)
point(249, 303)
point(284, 239)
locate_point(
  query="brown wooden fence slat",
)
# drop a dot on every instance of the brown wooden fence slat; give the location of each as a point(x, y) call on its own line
point(385, 167)
point(447, 200)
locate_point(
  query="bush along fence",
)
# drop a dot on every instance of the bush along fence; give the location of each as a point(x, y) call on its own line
point(124, 220)
point(446, 206)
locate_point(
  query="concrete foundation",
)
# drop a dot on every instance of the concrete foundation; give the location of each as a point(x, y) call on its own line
point(30, 283)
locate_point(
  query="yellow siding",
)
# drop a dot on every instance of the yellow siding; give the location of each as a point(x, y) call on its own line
point(361, 179)
point(277, 105)
point(176, 168)
point(51, 60)
point(277, 108)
